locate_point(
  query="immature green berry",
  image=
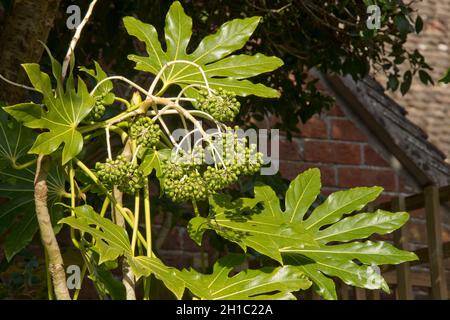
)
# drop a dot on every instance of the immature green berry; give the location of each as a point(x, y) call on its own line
point(222, 104)
point(145, 131)
point(121, 173)
point(99, 108)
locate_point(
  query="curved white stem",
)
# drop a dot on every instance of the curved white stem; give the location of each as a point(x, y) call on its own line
point(188, 87)
point(131, 83)
point(184, 138)
point(135, 154)
point(168, 64)
point(108, 143)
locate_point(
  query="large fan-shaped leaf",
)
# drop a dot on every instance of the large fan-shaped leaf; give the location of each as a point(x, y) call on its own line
point(66, 109)
point(265, 283)
point(112, 241)
point(212, 54)
point(283, 234)
point(242, 222)
point(17, 214)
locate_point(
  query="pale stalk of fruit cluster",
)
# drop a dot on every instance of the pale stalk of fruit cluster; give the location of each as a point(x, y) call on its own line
point(168, 64)
point(76, 37)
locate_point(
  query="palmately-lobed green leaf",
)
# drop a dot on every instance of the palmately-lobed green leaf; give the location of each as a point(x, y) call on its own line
point(152, 161)
point(114, 236)
point(362, 226)
point(105, 88)
point(212, 55)
point(301, 240)
point(145, 266)
point(243, 222)
point(18, 223)
point(66, 108)
point(112, 241)
point(264, 283)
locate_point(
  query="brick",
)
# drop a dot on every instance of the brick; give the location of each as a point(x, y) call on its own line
point(332, 152)
point(289, 150)
point(174, 240)
point(315, 127)
point(405, 186)
point(366, 177)
point(290, 171)
point(344, 129)
point(335, 111)
point(371, 157)
point(418, 214)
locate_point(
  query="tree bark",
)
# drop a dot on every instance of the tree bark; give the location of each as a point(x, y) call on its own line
point(56, 264)
point(28, 22)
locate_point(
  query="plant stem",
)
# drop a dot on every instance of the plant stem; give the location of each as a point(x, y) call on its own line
point(72, 203)
point(23, 166)
point(147, 285)
point(125, 102)
point(55, 260)
point(137, 203)
point(83, 273)
point(48, 276)
point(76, 37)
point(148, 222)
point(119, 208)
point(105, 206)
point(196, 211)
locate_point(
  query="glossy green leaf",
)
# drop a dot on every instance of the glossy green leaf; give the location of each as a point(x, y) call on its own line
point(18, 223)
point(21, 234)
point(104, 281)
point(243, 222)
point(362, 226)
point(322, 285)
point(366, 252)
point(105, 88)
point(227, 73)
point(301, 194)
point(145, 266)
point(66, 108)
point(265, 283)
point(152, 161)
point(112, 241)
point(259, 223)
point(108, 232)
point(339, 204)
point(26, 113)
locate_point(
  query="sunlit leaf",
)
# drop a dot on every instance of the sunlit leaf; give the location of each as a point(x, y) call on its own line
point(264, 283)
point(212, 55)
point(302, 241)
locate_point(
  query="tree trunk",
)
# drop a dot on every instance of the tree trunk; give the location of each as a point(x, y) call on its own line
point(28, 22)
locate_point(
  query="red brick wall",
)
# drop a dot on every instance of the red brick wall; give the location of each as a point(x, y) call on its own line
point(335, 145)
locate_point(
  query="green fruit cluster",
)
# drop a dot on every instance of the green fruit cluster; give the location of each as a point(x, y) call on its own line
point(193, 179)
point(222, 105)
point(145, 131)
point(121, 173)
point(99, 108)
